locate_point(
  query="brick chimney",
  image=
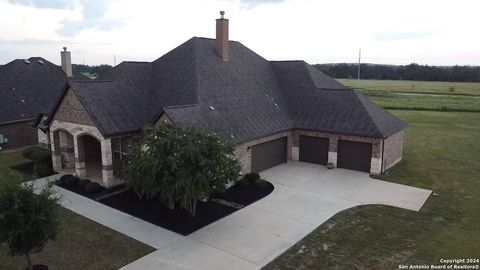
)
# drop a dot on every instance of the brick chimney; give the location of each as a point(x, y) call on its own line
point(66, 62)
point(221, 41)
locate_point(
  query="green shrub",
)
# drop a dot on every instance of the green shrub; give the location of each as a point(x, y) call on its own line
point(252, 178)
point(71, 181)
point(261, 183)
point(42, 169)
point(36, 153)
point(42, 159)
point(330, 166)
point(81, 184)
point(93, 187)
point(62, 178)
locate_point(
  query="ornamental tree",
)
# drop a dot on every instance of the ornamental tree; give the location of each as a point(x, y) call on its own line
point(180, 165)
point(27, 220)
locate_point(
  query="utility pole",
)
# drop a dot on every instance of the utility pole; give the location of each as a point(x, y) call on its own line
point(114, 60)
point(359, 61)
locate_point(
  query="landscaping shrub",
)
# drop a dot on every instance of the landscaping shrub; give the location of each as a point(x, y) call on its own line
point(252, 178)
point(83, 182)
point(330, 165)
point(93, 187)
point(261, 183)
point(42, 159)
point(71, 181)
point(62, 178)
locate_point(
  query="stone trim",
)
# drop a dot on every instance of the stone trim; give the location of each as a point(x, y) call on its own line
point(107, 167)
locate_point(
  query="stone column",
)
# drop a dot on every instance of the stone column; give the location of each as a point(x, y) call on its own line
point(66, 146)
point(56, 153)
point(295, 146)
point(290, 146)
point(79, 152)
point(332, 150)
point(107, 163)
point(376, 161)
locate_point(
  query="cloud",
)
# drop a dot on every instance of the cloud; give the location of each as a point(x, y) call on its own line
point(70, 28)
point(393, 35)
point(93, 12)
point(93, 18)
point(253, 3)
point(26, 42)
point(55, 4)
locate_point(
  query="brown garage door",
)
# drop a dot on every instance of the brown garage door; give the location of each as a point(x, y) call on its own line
point(354, 155)
point(313, 150)
point(269, 154)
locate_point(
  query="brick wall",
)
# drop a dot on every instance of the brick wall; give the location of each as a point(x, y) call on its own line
point(393, 150)
point(243, 151)
point(19, 134)
point(72, 111)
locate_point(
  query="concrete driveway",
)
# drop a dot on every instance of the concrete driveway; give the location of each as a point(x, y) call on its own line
point(305, 196)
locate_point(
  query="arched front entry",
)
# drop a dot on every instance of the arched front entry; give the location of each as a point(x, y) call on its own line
point(90, 150)
point(64, 157)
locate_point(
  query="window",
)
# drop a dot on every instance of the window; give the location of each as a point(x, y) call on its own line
point(120, 152)
point(119, 147)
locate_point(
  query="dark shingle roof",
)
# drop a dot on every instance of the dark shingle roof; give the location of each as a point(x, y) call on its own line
point(29, 89)
point(244, 98)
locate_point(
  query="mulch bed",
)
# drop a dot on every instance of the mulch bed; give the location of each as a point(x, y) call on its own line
point(94, 196)
point(177, 220)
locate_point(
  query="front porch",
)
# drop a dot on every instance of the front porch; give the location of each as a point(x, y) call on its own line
point(83, 151)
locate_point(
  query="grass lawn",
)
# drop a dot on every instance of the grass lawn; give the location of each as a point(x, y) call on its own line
point(442, 153)
point(81, 243)
point(414, 86)
point(419, 95)
point(8, 160)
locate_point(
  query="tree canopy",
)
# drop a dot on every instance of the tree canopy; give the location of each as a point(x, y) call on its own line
point(180, 165)
point(414, 72)
point(27, 220)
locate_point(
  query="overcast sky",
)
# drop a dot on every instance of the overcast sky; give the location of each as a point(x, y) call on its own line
point(433, 32)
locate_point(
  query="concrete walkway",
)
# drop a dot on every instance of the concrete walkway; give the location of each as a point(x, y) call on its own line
point(305, 196)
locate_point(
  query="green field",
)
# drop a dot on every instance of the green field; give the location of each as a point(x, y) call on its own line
point(81, 243)
point(414, 86)
point(415, 95)
point(442, 153)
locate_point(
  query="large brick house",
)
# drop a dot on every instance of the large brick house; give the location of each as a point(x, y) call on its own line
point(29, 87)
point(273, 111)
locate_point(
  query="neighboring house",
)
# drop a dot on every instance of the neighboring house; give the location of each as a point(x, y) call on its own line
point(273, 111)
point(29, 87)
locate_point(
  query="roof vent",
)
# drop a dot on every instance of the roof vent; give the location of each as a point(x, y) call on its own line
point(275, 104)
point(26, 61)
point(22, 100)
point(211, 108)
point(13, 88)
point(41, 62)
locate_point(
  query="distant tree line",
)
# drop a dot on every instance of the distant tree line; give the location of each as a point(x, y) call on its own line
point(90, 69)
point(413, 72)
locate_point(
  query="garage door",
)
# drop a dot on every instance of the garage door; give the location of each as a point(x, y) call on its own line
point(313, 150)
point(354, 155)
point(269, 154)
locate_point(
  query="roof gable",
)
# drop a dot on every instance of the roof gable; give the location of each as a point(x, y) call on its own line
point(28, 88)
point(70, 109)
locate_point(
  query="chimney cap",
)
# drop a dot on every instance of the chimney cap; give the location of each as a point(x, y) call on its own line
point(64, 49)
point(222, 13)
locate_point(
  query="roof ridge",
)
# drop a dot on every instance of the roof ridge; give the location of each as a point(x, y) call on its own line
point(364, 106)
point(180, 106)
point(196, 71)
point(94, 81)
